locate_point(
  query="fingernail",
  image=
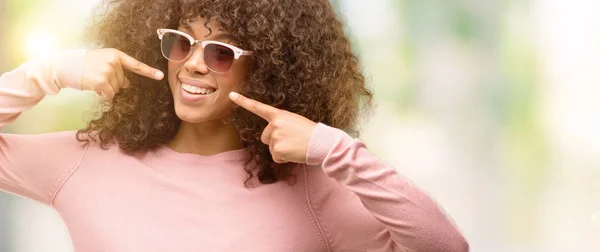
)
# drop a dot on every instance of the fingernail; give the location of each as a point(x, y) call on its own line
point(159, 75)
point(233, 95)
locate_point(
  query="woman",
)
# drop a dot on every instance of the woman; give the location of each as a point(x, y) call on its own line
point(238, 140)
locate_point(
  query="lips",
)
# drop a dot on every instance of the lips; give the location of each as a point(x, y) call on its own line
point(194, 92)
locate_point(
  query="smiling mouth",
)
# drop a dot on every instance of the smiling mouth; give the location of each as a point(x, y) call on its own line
point(197, 90)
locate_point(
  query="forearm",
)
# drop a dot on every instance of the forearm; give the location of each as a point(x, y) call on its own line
point(26, 85)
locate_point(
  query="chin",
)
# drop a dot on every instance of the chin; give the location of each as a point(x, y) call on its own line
point(197, 115)
point(191, 116)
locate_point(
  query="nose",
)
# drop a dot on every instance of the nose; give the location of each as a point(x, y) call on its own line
point(196, 63)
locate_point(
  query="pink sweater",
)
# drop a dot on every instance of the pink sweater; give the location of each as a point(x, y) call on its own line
point(345, 200)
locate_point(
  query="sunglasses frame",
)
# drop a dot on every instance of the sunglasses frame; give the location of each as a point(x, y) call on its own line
point(237, 52)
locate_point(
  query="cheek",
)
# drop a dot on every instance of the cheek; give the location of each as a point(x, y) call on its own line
point(230, 80)
point(172, 68)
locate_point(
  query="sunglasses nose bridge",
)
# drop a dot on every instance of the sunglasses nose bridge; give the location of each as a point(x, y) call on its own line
point(196, 61)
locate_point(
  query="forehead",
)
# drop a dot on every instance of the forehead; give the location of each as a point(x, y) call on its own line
point(201, 28)
point(197, 24)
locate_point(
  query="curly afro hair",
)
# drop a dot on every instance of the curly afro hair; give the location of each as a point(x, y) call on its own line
point(302, 63)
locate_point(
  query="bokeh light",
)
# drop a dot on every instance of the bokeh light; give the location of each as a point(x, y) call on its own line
point(39, 44)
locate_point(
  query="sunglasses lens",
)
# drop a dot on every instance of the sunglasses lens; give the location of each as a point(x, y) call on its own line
point(175, 47)
point(218, 58)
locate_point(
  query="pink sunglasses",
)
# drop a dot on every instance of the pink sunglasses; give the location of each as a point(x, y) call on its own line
point(178, 46)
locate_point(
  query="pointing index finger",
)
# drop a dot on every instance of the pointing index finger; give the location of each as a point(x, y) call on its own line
point(138, 67)
point(263, 110)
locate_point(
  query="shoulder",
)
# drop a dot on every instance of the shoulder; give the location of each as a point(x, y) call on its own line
point(27, 151)
point(338, 211)
point(51, 142)
point(52, 148)
point(320, 183)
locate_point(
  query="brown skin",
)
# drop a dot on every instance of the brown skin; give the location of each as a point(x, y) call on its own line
point(287, 135)
point(203, 121)
point(302, 65)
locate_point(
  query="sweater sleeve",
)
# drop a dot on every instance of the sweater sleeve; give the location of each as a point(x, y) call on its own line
point(371, 207)
point(27, 85)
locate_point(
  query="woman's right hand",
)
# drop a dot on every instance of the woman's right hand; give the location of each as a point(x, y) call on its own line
point(103, 71)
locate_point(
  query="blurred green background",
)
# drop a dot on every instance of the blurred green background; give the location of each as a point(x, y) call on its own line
point(490, 105)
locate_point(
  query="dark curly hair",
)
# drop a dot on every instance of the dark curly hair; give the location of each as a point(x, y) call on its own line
point(302, 63)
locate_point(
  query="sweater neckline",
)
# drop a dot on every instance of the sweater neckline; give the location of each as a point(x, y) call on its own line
point(233, 155)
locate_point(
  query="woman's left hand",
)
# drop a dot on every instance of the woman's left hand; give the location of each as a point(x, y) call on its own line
point(288, 134)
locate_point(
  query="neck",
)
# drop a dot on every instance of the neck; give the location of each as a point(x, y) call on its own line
point(206, 138)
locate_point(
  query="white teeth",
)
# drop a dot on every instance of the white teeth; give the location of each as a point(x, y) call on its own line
point(196, 90)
